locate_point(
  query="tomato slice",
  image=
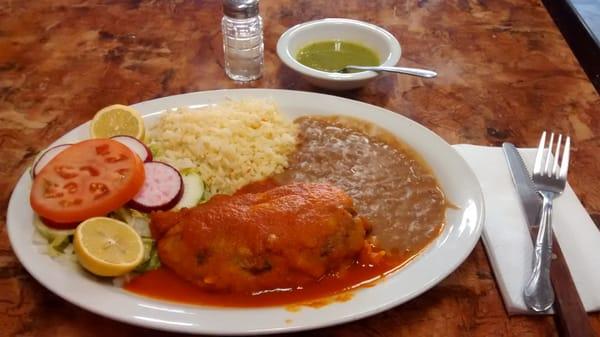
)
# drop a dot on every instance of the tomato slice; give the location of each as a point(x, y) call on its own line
point(90, 178)
point(59, 225)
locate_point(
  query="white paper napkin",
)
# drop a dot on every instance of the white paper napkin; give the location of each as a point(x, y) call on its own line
point(506, 237)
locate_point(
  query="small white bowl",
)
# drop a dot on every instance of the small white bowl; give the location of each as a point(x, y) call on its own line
point(373, 37)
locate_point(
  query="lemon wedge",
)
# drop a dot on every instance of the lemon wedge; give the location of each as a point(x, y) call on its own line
point(117, 120)
point(107, 247)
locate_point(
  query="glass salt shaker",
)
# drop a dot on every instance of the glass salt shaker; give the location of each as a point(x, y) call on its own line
point(242, 39)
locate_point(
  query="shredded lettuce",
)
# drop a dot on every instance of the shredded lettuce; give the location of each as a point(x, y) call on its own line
point(140, 222)
point(56, 240)
point(189, 170)
point(151, 260)
point(58, 244)
point(155, 149)
point(205, 197)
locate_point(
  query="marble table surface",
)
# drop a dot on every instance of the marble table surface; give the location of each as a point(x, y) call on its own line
point(506, 74)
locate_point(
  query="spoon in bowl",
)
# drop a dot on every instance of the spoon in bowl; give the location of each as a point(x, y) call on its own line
point(402, 70)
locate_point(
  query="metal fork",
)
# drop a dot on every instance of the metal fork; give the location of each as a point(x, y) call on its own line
point(550, 182)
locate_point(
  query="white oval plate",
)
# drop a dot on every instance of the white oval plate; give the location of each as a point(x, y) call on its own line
point(438, 260)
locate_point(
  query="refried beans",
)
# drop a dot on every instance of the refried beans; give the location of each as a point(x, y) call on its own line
point(391, 185)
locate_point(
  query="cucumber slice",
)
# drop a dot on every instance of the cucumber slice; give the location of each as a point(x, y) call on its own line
point(193, 190)
point(51, 234)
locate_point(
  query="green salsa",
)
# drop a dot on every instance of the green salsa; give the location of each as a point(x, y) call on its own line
point(335, 55)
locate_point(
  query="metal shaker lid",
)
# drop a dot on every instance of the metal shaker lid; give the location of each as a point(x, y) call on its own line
point(240, 9)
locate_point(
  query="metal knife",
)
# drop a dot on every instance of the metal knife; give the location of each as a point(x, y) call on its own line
point(530, 200)
point(570, 315)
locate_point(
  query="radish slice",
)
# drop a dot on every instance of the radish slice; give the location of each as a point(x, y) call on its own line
point(136, 146)
point(46, 157)
point(162, 189)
